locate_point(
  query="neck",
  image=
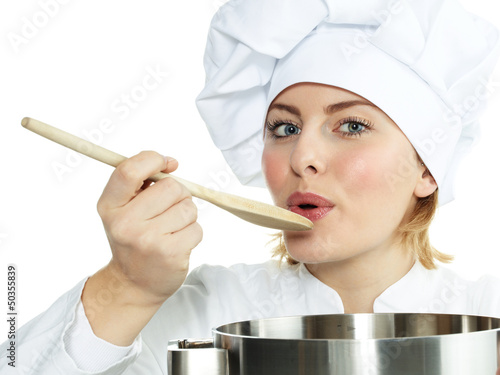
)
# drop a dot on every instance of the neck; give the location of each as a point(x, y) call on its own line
point(360, 280)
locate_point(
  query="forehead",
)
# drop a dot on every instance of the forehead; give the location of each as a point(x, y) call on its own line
point(316, 91)
point(310, 98)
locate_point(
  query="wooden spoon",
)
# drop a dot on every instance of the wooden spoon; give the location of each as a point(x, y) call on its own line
point(252, 211)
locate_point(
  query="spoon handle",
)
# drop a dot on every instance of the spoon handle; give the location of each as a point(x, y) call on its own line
point(100, 153)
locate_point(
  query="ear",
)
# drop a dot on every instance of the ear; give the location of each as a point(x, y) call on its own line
point(426, 185)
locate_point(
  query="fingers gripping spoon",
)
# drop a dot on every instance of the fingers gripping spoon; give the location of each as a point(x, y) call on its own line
point(255, 212)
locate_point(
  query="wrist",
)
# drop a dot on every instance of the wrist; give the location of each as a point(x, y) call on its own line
point(129, 292)
point(116, 309)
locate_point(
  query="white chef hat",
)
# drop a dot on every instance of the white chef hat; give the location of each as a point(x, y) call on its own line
point(425, 63)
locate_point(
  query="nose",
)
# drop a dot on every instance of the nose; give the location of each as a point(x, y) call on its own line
point(308, 155)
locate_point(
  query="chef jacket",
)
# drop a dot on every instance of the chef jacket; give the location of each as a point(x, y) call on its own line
point(60, 340)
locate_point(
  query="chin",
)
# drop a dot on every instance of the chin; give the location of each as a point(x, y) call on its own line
point(314, 248)
point(314, 254)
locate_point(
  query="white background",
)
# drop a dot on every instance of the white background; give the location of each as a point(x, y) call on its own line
point(73, 70)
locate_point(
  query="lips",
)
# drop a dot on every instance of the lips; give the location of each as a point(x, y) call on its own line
point(309, 205)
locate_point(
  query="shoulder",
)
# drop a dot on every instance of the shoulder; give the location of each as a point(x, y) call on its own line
point(482, 295)
point(487, 296)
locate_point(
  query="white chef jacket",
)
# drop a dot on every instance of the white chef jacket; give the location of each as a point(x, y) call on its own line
point(215, 295)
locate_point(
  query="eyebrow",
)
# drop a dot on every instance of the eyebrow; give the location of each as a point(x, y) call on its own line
point(332, 108)
point(285, 107)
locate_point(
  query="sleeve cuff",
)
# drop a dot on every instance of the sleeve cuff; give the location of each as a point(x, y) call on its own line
point(89, 352)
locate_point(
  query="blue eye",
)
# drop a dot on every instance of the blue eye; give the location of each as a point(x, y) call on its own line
point(286, 130)
point(282, 129)
point(352, 127)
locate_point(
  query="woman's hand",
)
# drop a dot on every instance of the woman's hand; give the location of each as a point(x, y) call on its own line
point(151, 230)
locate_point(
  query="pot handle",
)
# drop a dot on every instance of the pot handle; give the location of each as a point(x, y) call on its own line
point(196, 356)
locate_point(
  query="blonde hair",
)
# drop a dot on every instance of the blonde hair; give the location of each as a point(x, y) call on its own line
point(414, 235)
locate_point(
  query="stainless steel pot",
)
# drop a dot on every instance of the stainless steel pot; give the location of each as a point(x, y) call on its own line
point(357, 344)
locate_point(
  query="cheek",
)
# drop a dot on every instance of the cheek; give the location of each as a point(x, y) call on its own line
point(275, 165)
point(377, 170)
point(357, 171)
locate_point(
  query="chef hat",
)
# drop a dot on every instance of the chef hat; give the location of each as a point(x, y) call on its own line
point(425, 63)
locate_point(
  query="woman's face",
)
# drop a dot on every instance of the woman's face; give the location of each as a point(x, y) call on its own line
point(337, 159)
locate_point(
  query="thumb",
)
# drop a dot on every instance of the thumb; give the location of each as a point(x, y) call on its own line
point(172, 164)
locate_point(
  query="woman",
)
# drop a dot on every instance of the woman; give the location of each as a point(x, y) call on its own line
point(356, 123)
